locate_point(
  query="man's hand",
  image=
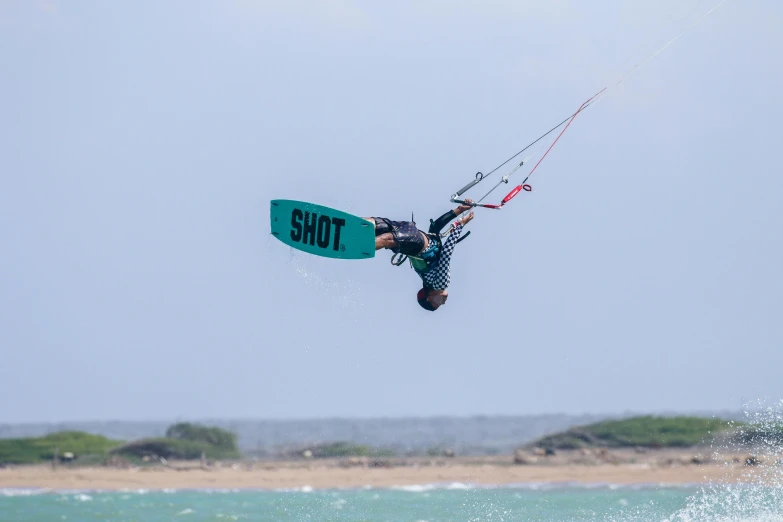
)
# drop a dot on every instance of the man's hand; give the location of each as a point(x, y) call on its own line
point(466, 219)
point(464, 207)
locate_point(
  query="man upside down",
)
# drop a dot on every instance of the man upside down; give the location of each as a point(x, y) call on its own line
point(429, 255)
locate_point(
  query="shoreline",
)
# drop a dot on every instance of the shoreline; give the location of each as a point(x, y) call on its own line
point(653, 469)
point(410, 488)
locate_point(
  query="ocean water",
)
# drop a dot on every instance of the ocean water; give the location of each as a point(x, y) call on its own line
point(757, 498)
point(430, 503)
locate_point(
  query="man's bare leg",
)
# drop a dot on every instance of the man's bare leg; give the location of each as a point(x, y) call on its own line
point(384, 240)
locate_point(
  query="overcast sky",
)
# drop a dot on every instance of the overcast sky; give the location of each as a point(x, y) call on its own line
point(141, 142)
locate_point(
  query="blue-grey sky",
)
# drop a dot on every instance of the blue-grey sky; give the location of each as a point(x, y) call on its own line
point(141, 142)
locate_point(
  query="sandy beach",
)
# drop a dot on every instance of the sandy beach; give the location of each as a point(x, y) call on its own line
point(655, 467)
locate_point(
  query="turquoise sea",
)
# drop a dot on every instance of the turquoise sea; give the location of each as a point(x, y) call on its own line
point(431, 503)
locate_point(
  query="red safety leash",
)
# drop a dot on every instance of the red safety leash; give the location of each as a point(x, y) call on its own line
point(525, 186)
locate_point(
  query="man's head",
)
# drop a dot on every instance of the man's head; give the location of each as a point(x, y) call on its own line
point(431, 299)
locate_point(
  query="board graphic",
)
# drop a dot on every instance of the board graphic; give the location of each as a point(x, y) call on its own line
point(322, 231)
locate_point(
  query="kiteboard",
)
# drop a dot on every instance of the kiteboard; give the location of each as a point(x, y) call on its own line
point(322, 231)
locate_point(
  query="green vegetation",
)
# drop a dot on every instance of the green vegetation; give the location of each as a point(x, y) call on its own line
point(647, 431)
point(173, 449)
point(331, 450)
point(185, 441)
point(33, 450)
point(207, 434)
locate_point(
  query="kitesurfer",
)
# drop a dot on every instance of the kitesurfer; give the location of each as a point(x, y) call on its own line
point(429, 255)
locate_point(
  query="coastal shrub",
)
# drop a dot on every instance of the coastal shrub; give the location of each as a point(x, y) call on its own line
point(646, 431)
point(31, 450)
point(174, 449)
point(185, 441)
point(339, 450)
point(211, 435)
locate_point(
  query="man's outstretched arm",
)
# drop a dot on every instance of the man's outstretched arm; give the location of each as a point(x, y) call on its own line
point(437, 225)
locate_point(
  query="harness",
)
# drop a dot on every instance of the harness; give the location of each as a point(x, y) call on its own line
point(422, 263)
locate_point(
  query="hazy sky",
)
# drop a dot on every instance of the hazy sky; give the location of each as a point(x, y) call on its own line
point(141, 142)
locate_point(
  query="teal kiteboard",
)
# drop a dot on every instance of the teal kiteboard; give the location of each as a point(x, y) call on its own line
point(322, 231)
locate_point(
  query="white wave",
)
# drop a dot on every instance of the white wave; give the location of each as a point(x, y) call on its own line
point(186, 511)
point(448, 486)
point(415, 488)
point(22, 492)
point(126, 494)
point(303, 489)
point(459, 486)
point(757, 496)
point(531, 486)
